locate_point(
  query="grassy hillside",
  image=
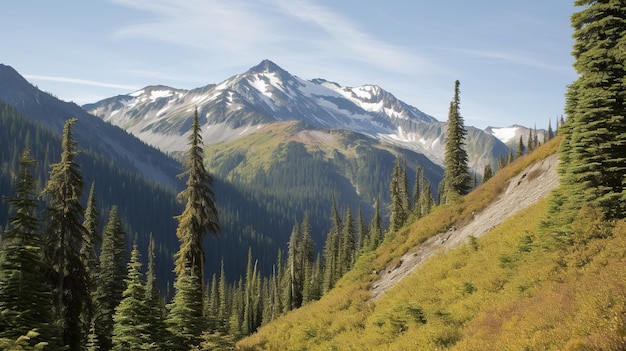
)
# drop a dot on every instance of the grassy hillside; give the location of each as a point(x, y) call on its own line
point(514, 288)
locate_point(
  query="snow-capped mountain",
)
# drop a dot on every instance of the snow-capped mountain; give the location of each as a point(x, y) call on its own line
point(265, 94)
point(511, 135)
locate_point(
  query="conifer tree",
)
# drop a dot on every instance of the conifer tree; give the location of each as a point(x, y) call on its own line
point(24, 295)
point(399, 192)
point(426, 201)
point(292, 288)
point(131, 329)
point(223, 310)
point(199, 217)
point(348, 244)
point(361, 230)
point(331, 249)
point(456, 178)
point(417, 190)
point(596, 153)
point(375, 231)
point(487, 173)
point(88, 253)
point(520, 148)
point(111, 278)
point(154, 302)
point(63, 241)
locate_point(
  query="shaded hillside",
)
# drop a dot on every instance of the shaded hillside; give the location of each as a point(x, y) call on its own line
point(512, 288)
point(91, 133)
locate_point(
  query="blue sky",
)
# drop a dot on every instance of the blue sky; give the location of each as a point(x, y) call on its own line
point(512, 57)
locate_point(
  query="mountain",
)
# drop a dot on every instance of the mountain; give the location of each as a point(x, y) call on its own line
point(111, 140)
point(511, 135)
point(264, 181)
point(267, 94)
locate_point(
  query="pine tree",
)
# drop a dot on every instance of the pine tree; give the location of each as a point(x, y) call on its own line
point(88, 253)
point(131, 330)
point(307, 257)
point(456, 178)
point(417, 190)
point(200, 213)
point(375, 232)
point(63, 241)
point(487, 173)
point(520, 148)
point(399, 192)
point(348, 244)
point(427, 201)
point(24, 295)
point(198, 218)
point(223, 310)
point(292, 281)
point(596, 106)
point(331, 249)
point(111, 278)
point(154, 302)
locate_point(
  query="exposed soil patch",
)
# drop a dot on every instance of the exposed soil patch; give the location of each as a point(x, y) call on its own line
point(525, 189)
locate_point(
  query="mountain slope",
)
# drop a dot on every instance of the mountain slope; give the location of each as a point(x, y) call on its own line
point(512, 288)
point(267, 94)
point(112, 141)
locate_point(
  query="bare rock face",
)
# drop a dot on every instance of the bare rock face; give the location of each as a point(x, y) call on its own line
point(525, 189)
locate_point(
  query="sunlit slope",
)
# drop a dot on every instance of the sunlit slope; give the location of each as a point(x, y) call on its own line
point(511, 289)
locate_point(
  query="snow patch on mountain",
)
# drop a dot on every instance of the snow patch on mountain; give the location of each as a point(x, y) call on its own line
point(506, 135)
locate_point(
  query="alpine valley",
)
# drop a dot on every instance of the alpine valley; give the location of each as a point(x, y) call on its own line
point(278, 146)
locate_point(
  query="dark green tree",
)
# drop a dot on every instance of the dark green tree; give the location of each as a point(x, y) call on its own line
point(375, 230)
point(111, 278)
point(154, 302)
point(293, 278)
point(596, 108)
point(331, 249)
point(131, 330)
point(456, 178)
point(199, 217)
point(347, 252)
point(24, 295)
point(88, 253)
point(487, 173)
point(64, 235)
point(521, 149)
point(399, 192)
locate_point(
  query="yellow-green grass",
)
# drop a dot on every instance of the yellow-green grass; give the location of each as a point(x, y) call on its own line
point(508, 290)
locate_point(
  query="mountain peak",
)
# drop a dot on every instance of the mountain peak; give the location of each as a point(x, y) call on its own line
point(266, 66)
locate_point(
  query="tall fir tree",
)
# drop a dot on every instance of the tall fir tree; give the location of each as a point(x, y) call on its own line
point(596, 106)
point(199, 217)
point(88, 254)
point(110, 285)
point(24, 295)
point(154, 302)
point(347, 252)
point(375, 230)
point(64, 235)
point(520, 148)
point(399, 192)
point(292, 280)
point(456, 179)
point(426, 201)
point(131, 330)
point(331, 249)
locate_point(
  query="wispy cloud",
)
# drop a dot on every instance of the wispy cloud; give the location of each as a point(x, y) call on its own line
point(512, 57)
point(81, 82)
point(349, 40)
point(299, 29)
